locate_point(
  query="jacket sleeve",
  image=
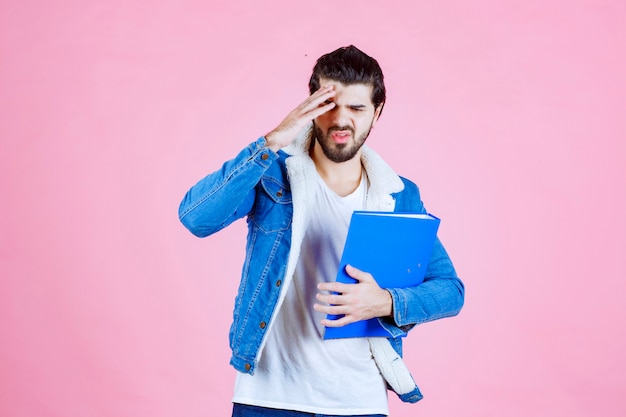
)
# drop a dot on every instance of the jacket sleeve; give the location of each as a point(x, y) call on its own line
point(440, 295)
point(227, 194)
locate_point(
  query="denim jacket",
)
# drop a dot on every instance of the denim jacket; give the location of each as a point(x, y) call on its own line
point(271, 190)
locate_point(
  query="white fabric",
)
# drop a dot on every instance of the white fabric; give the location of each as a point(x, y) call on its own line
point(391, 366)
point(298, 369)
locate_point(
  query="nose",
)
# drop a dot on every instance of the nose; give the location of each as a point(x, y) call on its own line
point(340, 116)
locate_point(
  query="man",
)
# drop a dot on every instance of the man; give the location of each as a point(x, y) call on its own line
point(298, 186)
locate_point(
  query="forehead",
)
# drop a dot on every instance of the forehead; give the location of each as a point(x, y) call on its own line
point(350, 92)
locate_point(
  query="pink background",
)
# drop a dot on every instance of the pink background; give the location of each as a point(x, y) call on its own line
point(510, 115)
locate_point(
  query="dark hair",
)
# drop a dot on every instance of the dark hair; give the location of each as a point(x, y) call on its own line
point(350, 65)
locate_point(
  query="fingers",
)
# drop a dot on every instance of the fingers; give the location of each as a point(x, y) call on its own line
point(360, 301)
point(342, 311)
point(318, 111)
point(358, 274)
point(329, 309)
point(314, 106)
point(337, 304)
point(338, 322)
point(330, 298)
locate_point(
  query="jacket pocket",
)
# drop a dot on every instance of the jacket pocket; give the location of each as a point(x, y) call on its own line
point(273, 209)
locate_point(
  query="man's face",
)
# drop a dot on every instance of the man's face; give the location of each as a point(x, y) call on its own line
point(341, 131)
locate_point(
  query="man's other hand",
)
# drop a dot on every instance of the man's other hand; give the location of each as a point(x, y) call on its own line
point(360, 301)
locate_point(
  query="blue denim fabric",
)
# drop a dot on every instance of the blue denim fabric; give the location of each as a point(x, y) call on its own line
point(255, 184)
point(242, 410)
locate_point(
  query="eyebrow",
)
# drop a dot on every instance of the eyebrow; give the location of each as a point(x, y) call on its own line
point(352, 106)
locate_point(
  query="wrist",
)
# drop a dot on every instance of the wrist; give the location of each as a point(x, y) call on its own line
point(388, 306)
point(270, 142)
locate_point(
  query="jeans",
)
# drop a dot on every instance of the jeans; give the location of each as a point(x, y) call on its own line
point(242, 410)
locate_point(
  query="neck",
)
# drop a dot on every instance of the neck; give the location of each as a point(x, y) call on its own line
point(341, 177)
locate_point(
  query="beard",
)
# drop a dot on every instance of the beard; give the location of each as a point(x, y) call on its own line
point(339, 152)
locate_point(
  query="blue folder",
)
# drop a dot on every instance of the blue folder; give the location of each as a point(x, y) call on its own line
point(395, 248)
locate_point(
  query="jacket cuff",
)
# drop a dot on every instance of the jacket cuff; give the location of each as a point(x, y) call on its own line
point(411, 397)
point(261, 153)
point(399, 314)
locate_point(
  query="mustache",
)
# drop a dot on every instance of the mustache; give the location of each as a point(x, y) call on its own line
point(339, 129)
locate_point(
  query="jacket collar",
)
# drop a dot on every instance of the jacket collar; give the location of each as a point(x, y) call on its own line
point(383, 180)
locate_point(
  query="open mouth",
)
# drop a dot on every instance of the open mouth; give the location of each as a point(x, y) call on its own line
point(341, 136)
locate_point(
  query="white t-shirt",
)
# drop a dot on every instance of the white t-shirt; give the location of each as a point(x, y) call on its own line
point(298, 370)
